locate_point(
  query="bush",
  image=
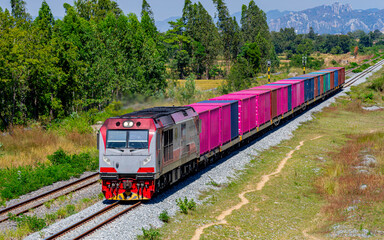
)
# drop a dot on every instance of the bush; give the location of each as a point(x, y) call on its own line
point(33, 223)
point(164, 217)
point(377, 84)
point(186, 205)
point(15, 182)
point(150, 234)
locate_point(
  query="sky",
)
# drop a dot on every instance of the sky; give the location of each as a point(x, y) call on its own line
point(164, 9)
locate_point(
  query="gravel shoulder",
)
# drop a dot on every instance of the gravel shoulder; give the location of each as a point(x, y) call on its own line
point(130, 225)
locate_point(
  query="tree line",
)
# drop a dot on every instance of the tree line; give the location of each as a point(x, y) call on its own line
point(50, 67)
point(95, 54)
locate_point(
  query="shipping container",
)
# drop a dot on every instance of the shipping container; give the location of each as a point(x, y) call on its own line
point(243, 108)
point(277, 99)
point(326, 81)
point(316, 84)
point(294, 87)
point(320, 82)
point(210, 130)
point(299, 94)
point(252, 108)
point(289, 92)
point(340, 73)
point(234, 115)
point(225, 119)
point(263, 105)
point(309, 84)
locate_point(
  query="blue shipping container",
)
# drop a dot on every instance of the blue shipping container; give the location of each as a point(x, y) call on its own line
point(336, 78)
point(234, 115)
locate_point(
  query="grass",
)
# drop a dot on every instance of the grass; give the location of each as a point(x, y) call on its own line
point(310, 195)
point(371, 91)
point(204, 85)
point(15, 182)
point(29, 224)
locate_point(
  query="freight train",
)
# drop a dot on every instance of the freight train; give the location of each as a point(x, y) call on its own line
point(143, 152)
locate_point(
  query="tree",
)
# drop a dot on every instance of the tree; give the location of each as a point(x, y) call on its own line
point(19, 11)
point(311, 34)
point(145, 8)
point(200, 27)
point(45, 21)
point(97, 9)
point(178, 43)
point(251, 52)
point(254, 28)
point(229, 30)
point(240, 76)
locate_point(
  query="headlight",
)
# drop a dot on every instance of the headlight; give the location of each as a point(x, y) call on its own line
point(128, 124)
point(147, 160)
point(105, 159)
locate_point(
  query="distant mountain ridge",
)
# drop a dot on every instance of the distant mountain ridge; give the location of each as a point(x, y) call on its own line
point(326, 19)
point(332, 19)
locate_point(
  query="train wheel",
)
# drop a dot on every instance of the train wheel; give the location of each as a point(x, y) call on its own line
point(276, 123)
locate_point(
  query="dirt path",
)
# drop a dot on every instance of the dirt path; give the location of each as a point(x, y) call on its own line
point(260, 185)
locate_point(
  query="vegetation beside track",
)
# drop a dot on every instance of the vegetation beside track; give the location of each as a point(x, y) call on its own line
point(322, 191)
point(15, 182)
point(65, 205)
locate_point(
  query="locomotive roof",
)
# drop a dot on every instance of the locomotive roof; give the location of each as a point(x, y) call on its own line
point(156, 112)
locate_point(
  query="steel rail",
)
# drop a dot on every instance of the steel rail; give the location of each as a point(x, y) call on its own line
point(107, 221)
point(89, 218)
point(53, 191)
point(81, 222)
point(363, 73)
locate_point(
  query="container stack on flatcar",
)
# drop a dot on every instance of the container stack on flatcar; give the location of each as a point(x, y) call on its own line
point(143, 152)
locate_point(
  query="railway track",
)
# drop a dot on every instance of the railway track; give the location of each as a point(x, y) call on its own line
point(350, 70)
point(91, 217)
point(363, 73)
point(37, 201)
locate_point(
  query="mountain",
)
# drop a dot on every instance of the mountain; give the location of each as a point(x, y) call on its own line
point(332, 19)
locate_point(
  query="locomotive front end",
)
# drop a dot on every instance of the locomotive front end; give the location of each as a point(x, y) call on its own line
point(127, 158)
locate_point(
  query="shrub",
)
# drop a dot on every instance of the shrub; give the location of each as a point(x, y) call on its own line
point(150, 234)
point(377, 84)
point(164, 216)
point(15, 182)
point(186, 205)
point(31, 222)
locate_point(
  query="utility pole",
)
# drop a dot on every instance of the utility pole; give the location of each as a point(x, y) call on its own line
point(304, 63)
point(269, 71)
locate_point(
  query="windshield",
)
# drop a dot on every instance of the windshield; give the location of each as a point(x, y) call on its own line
point(134, 139)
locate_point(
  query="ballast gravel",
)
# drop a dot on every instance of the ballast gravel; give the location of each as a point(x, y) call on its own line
point(130, 225)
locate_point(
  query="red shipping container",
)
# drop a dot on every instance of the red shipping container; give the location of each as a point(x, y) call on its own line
point(210, 130)
point(244, 110)
point(225, 119)
point(263, 105)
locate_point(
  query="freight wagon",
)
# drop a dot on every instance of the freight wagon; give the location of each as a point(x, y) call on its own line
point(143, 152)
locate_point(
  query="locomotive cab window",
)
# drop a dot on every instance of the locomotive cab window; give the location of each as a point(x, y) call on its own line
point(132, 139)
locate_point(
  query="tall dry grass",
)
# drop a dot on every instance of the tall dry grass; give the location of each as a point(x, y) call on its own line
point(350, 180)
point(32, 146)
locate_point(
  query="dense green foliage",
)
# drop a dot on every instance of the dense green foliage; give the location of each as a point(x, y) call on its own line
point(15, 182)
point(305, 44)
point(95, 54)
